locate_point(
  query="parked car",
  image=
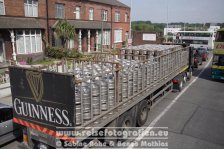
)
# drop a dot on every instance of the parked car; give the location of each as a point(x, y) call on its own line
point(197, 59)
point(204, 53)
point(8, 130)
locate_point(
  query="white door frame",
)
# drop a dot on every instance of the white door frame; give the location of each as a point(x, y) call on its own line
point(3, 46)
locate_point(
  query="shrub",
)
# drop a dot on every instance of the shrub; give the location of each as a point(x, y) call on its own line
point(29, 60)
point(59, 53)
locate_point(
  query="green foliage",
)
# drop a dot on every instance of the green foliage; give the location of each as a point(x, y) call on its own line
point(29, 60)
point(44, 61)
point(59, 53)
point(65, 31)
point(115, 51)
point(170, 39)
point(161, 39)
point(147, 26)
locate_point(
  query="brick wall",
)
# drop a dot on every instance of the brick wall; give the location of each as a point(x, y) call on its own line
point(138, 38)
point(15, 8)
point(7, 43)
point(124, 26)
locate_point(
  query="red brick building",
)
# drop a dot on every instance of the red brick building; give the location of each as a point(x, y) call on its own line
point(26, 26)
point(142, 37)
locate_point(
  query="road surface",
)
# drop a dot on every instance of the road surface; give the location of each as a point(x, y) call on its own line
point(196, 119)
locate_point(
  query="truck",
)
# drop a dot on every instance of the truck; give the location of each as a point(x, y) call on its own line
point(108, 91)
point(218, 56)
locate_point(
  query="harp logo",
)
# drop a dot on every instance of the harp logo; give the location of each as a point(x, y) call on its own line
point(36, 84)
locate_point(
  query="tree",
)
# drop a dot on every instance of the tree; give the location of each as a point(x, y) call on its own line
point(65, 31)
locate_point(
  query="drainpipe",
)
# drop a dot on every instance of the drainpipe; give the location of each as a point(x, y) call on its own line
point(48, 32)
point(12, 35)
point(111, 32)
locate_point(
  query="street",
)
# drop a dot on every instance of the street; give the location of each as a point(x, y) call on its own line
point(195, 119)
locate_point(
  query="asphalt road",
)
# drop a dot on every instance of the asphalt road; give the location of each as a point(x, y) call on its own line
point(195, 120)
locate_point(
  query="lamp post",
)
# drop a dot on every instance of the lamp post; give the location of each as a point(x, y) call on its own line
point(130, 20)
point(167, 18)
point(102, 19)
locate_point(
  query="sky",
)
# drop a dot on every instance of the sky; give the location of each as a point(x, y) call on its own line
point(188, 11)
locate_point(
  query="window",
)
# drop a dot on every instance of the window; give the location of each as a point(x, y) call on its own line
point(104, 15)
point(5, 114)
point(28, 41)
point(2, 7)
point(117, 16)
point(70, 43)
point(126, 17)
point(106, 38)
point(77, 12)
point(218, 60)
point(59, 11)
point(126, 36)
point(220, 36)
point(31, 8)
point(118, 35)
point(91, 13)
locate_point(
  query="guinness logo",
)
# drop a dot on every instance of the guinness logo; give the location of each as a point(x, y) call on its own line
point(36, 84)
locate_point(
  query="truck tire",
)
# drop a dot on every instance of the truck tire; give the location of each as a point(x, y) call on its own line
point(189, 74)
point(184, 78)
point(124, 121)
point(196, 65)
point(180, 85)
point(142, 113)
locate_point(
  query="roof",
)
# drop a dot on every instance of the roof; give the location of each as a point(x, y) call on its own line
point(19, 23)
point(87, 24)
point(193, 31)
point(111, 2)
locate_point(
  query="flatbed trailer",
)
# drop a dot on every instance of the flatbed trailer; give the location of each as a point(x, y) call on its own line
point(80, 95)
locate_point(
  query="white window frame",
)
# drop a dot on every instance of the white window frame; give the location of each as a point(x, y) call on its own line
point(71, 44)
point(57, 8)
point(126, 17)
point(91, 13)
point(104, 15)
point(24, 35)
point(33, 6)
point(78, 12)
point(3, 4)
point(106, 38)
point(117, 17)
point(118, 35)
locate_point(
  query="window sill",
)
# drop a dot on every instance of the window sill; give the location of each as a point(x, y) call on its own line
point(118, 41)
point(29, 53)
point(31, 16)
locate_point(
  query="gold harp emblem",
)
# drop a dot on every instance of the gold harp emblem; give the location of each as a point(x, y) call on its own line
point(36, 84)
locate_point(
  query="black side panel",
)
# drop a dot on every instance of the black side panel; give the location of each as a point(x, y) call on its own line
point(191, 57)
point(43, 98)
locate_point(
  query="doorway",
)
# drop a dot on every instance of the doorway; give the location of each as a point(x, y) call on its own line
point(2, 51)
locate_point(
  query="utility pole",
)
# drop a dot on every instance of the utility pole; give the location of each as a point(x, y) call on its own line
point(102, 19)
point(130, 21)
point(167, 25)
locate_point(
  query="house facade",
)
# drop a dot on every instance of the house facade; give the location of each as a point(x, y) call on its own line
point(28, 26)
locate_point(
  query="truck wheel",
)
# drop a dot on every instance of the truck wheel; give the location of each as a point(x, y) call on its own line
point(125, 121)
point(190, 73)
point(196, 65)
point(142, 113)
point(180, 85)
point(184, 78)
